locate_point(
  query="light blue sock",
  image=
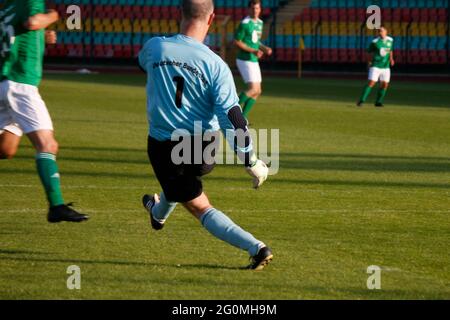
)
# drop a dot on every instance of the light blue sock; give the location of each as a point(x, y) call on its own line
point(162, 210)
point(220, 226)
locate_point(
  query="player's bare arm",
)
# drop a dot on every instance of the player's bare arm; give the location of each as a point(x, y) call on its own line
point(392, 58)
point(267, 50)
point(50, 37)
point(369, 58)
point(42, 20)
point(241, 45)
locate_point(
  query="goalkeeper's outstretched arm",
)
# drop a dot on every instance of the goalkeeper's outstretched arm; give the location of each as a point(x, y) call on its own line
point(234, 126)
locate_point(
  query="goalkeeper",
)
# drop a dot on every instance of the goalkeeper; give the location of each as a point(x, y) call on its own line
point(189, 85)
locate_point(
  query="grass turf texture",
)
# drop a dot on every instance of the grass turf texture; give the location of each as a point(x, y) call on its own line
point(357, 187)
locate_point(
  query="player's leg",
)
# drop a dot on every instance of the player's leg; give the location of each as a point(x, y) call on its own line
point(244, 71)
point(46, 151)
point(254, 80)
point(384, 84)
point(381, 94)
point(159, 209)
point(158, 206)
point(251, 74)
point(9, 143)
point(374, 75)
point(223, 228)
point(31, 114)
point(254, 91)
point(10, 133)
point(219, 225)
point(243, 98)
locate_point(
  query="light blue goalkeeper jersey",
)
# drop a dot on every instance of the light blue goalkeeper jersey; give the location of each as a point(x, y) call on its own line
point(186, 82)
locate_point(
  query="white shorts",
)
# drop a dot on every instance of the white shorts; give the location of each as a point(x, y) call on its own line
point(383, 75)
point(250, 71)
point(22, 109)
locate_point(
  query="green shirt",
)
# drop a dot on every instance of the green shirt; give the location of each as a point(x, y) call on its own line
point(381, 50)
point(21, 50)
point(250, 33)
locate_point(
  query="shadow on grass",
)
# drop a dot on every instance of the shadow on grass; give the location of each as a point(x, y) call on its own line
point(300, 161)
point(282, 155)
point(319, 165)
point(120, 263)
point(19, 251)
point(303, 161)
point(99, 149)
point(94, 160)
point(361, 156)
point(334, 162)
point(274, 180)
point(385, 294)
point(367, 165)
point(332, 90)
point(101, 121)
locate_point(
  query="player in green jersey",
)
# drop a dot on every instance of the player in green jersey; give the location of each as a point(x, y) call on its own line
point(381, 52)
point(22, 110)
point(248, 41)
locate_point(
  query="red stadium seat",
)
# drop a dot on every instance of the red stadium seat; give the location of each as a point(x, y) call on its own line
point(315, 14)
point(406, 15)
point(361, 14)
point(351, 14)
point(399, 57)
point(396, 15)
point(424, 16)
point(175, 13)
point(305, 15)
point(323, 14)
point(387, 14)
point(333, 14)
point(442, 15)
point(281, 52)
point(342, 14)
point(334, 55)
point(290, 52)
point(306, 55)
point(343, 55)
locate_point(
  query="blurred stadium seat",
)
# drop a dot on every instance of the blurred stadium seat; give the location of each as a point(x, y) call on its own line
point(332, 31)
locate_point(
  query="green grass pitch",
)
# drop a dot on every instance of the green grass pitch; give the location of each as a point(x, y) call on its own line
point(356, 187)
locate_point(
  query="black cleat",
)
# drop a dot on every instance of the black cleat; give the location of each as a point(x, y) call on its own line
point(149, 202)
point(65, 213)
point(379, 105)
point(360, 104)
point(262, 259)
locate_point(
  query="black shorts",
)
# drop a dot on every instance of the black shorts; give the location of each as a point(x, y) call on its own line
point(180, 182)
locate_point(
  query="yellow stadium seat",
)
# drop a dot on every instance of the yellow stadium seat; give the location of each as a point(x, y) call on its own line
point(118, 28)
point(98, 28)
point(137, 28)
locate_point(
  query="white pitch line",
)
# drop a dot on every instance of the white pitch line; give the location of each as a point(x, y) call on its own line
point(75, 187)
point(346, 191)
point(28, 210)
point(345, 211)
point(228, 188)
